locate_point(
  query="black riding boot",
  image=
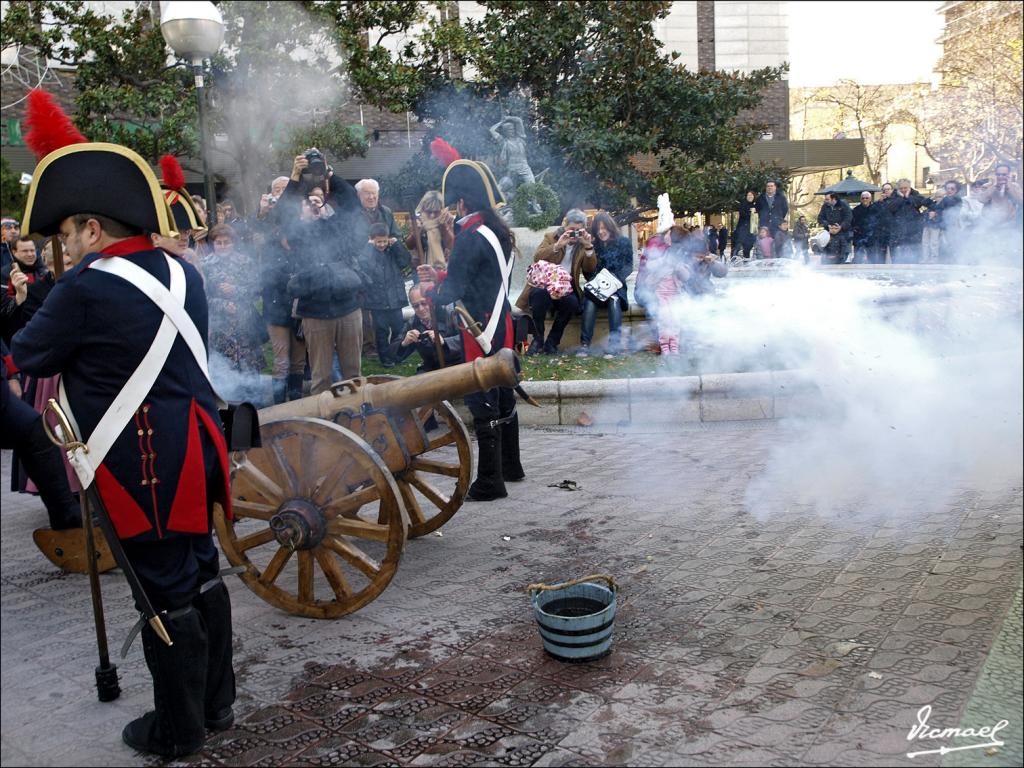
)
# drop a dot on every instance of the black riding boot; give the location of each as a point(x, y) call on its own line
point(215, 608)
point(179, 681)
point(511, 468)
point(43, 463)
point(489, 484)
point(294, 386)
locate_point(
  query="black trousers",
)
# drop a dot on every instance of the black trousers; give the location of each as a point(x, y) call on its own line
point(387, 324)
point(193, 679)
point(743, 244)
point(497, 444)
point(21, 428)
point(565, 309)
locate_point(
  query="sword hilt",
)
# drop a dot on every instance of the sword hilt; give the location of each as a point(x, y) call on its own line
point(64, 424)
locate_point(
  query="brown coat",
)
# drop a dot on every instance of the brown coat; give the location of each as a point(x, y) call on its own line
point(549, 251)
point(447, 242)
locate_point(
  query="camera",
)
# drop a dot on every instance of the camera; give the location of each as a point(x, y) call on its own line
point(316, 171)
point(574, 233)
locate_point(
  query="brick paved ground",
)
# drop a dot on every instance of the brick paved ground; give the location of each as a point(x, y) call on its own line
point(787, 640)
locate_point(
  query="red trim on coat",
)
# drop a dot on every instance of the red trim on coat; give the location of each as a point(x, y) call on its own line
point(128, 518)
point(471, 222)
point(188, 512)
point(471, 348)
point(217, 435)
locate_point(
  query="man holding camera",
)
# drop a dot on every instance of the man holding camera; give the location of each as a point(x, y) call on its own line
point(325, 282)
point(419, 335)
point(572, 247)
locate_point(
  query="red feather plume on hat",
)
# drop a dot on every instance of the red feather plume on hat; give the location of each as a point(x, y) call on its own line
point(444, 152)
point(49, 128)
point(173, 175)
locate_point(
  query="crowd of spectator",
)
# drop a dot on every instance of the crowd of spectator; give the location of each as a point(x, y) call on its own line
point(956, 224)
point(321, 265)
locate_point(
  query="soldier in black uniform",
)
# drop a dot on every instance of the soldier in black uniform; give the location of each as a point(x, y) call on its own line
point(163, 462)
point(477, 275)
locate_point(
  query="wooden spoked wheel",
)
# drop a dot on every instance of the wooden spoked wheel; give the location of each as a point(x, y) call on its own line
point(319, 523)
point(435, 484)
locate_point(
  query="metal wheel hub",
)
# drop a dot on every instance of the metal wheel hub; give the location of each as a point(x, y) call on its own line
point(299, 524)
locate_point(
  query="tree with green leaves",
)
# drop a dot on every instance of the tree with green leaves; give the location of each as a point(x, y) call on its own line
point(593, 83)
point(267, 101)
point(127, 94)
point(12, 193)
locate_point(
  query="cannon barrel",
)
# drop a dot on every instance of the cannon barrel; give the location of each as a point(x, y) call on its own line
point(482, 374)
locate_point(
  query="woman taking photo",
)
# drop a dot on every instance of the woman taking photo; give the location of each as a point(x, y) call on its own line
point(615, 254)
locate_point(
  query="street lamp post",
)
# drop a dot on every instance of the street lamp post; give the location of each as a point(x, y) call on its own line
point(195, 31)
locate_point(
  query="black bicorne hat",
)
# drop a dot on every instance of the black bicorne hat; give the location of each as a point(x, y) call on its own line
point(77, 176)
point(471, 179)
point(183, 208)
point(184, 211)
point(101, 178)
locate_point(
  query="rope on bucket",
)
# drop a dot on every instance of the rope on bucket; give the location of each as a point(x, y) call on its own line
point(612, 585)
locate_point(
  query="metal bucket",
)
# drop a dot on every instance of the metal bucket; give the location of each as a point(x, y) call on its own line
point(576, 618)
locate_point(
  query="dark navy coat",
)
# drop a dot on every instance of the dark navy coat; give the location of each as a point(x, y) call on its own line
point(771, 211)
point(475, 277)
point(94, 329)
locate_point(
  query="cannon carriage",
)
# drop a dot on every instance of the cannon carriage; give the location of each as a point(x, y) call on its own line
point(323, 508)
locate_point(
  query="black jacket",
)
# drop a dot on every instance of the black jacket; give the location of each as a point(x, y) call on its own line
point(948, 210)
point(275, 272)
point(361, 221)
point(326, 281)
point(383, 272)
point(742, 232)
point(865, 224)
point(323, 260)
point(450, 335)
point(475, 278)
point(905, 219)
point(840, 214)
point(771, 213)
point(617, 258)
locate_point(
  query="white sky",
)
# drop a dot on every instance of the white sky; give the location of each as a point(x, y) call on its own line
point(872, 42)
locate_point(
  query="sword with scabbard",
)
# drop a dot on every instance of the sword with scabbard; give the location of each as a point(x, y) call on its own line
point(71, 443)
point(108, 687)
point(485, 344)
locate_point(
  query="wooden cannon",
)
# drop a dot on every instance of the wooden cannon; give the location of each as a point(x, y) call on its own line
point(323, 508)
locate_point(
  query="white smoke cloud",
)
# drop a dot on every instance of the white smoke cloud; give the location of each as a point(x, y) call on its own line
point(920, 375)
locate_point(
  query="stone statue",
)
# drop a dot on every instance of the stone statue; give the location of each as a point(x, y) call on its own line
point(511, 160)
